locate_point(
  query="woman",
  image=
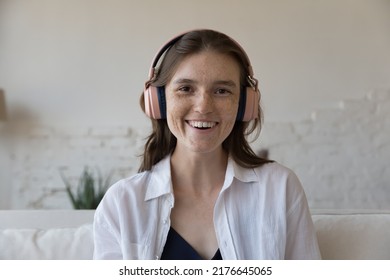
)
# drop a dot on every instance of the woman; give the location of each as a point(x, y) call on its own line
point(201, 192)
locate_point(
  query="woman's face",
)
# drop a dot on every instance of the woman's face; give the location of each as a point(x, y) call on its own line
point(202, 101)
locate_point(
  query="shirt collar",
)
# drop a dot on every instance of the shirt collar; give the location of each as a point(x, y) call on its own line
point(160, 182)
point(234, 170)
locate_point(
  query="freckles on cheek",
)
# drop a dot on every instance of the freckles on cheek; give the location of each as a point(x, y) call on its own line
point(231, 111)
point(175, 113)
point(175, 109)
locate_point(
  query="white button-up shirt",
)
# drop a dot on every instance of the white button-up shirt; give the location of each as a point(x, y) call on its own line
point(260, 213)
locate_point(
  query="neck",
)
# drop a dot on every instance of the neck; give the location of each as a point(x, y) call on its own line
point(200, 173)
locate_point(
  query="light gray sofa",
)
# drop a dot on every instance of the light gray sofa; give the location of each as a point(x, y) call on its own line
point(67, 234)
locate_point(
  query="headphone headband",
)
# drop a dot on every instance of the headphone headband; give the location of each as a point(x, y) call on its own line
point(251, 79)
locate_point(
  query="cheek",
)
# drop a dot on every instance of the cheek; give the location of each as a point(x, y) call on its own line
point(175, 111)
point(229, 110)
point(174, 106)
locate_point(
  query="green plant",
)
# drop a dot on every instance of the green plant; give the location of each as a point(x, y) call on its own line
point(90, 189)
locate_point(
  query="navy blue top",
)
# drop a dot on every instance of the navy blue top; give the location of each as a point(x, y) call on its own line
point(176, 248)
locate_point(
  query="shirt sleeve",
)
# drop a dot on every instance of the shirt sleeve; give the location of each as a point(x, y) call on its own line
point(301, 238)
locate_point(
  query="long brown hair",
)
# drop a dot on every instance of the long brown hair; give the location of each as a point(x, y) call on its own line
point(161, 141)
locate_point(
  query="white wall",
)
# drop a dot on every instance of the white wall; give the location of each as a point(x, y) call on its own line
point(85, 61)
point(79, 66)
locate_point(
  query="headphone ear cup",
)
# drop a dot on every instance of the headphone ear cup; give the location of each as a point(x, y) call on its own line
point(241, 104)
point(155, 105)
point(250, 106)
point(162, 104)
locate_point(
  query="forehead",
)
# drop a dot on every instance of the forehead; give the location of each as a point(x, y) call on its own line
point(208, 64)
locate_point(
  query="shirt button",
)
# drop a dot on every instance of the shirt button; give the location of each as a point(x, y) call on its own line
point(165, 221)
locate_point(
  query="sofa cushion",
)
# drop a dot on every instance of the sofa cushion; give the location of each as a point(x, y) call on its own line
point(44, 244)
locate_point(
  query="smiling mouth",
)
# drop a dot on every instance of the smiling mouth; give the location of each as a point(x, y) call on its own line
point(202, 125)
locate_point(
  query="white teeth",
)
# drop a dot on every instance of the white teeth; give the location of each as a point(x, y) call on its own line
point(202, 124)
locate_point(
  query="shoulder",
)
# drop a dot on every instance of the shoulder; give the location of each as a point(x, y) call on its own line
point(280, 179)
point(275, 171)
point(121, 199)
point(133, 192)
point(282, 187)
point(128, 187)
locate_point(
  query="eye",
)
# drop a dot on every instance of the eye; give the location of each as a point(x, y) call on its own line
point(222, 91)
point(185, 89)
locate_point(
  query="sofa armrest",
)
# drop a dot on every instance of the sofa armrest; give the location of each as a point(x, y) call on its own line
point(353, 235)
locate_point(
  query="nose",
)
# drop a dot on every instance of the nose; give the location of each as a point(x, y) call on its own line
point(204, 103)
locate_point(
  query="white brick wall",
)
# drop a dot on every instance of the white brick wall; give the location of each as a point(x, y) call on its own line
point(39, 154)
point(341, 156)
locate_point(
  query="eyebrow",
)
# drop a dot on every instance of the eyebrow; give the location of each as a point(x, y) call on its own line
point(183, 81)
point(229, 83)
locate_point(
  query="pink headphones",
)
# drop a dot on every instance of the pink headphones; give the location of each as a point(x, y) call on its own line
point(155, 104)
